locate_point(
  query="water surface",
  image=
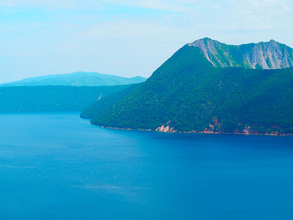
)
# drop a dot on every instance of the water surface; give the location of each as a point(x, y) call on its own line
point(58, 166)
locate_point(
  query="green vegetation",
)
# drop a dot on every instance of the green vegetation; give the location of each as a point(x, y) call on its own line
point(104, 103)
point(51, 98)
point(189, 94)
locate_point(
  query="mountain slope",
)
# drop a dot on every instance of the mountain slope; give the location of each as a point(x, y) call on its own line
point(52, 98)
point(188, 94)
point(77, 79)
point(105, 103)
point(264, 55)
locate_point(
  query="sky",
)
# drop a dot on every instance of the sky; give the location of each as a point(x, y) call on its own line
point(124, 37)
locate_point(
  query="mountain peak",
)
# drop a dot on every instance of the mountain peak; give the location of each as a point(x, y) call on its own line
point(263, 55)
point(204, 40)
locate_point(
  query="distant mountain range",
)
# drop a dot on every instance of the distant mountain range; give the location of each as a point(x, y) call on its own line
point(77, 79)
point(208, 87)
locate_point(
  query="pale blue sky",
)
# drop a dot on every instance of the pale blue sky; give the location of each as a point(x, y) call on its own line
point(126, 38)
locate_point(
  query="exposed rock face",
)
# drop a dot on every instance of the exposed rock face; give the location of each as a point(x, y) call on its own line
point(263, 55)
point(166, 128)
point(215, 128)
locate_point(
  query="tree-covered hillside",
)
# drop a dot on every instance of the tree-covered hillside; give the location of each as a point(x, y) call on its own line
point(104, 103)
point(188, 94)
point(52, 98)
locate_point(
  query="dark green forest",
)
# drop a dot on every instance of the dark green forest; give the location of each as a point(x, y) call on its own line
point(104, 103)
point(52, 98)
point(190, 95)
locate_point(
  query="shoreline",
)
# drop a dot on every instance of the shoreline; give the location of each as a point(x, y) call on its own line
point(195, 132)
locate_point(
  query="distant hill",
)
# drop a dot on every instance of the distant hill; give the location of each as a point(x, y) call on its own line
point(77, 79)
point(52, 98)
point(191, 93)
point(263, 55)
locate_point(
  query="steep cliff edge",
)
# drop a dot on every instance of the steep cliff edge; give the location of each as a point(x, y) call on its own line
point(263, 55)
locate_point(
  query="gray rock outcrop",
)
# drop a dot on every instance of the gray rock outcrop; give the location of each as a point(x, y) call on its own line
point(263, 55)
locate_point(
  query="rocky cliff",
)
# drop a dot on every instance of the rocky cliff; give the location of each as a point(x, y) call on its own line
point(263, 55)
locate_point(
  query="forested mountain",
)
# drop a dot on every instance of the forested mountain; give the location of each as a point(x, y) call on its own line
point(189, 94)
point(52, 98)
point(77, 79)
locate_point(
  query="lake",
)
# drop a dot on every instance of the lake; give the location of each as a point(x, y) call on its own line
point(58, 166)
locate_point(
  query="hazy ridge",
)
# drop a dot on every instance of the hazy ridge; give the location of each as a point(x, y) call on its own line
point(77, 79)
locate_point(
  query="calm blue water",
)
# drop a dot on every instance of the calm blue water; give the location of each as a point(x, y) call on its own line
point(58, 166)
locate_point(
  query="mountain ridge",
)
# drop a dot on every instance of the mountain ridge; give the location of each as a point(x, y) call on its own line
point(76, 79)
point(263, 55)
